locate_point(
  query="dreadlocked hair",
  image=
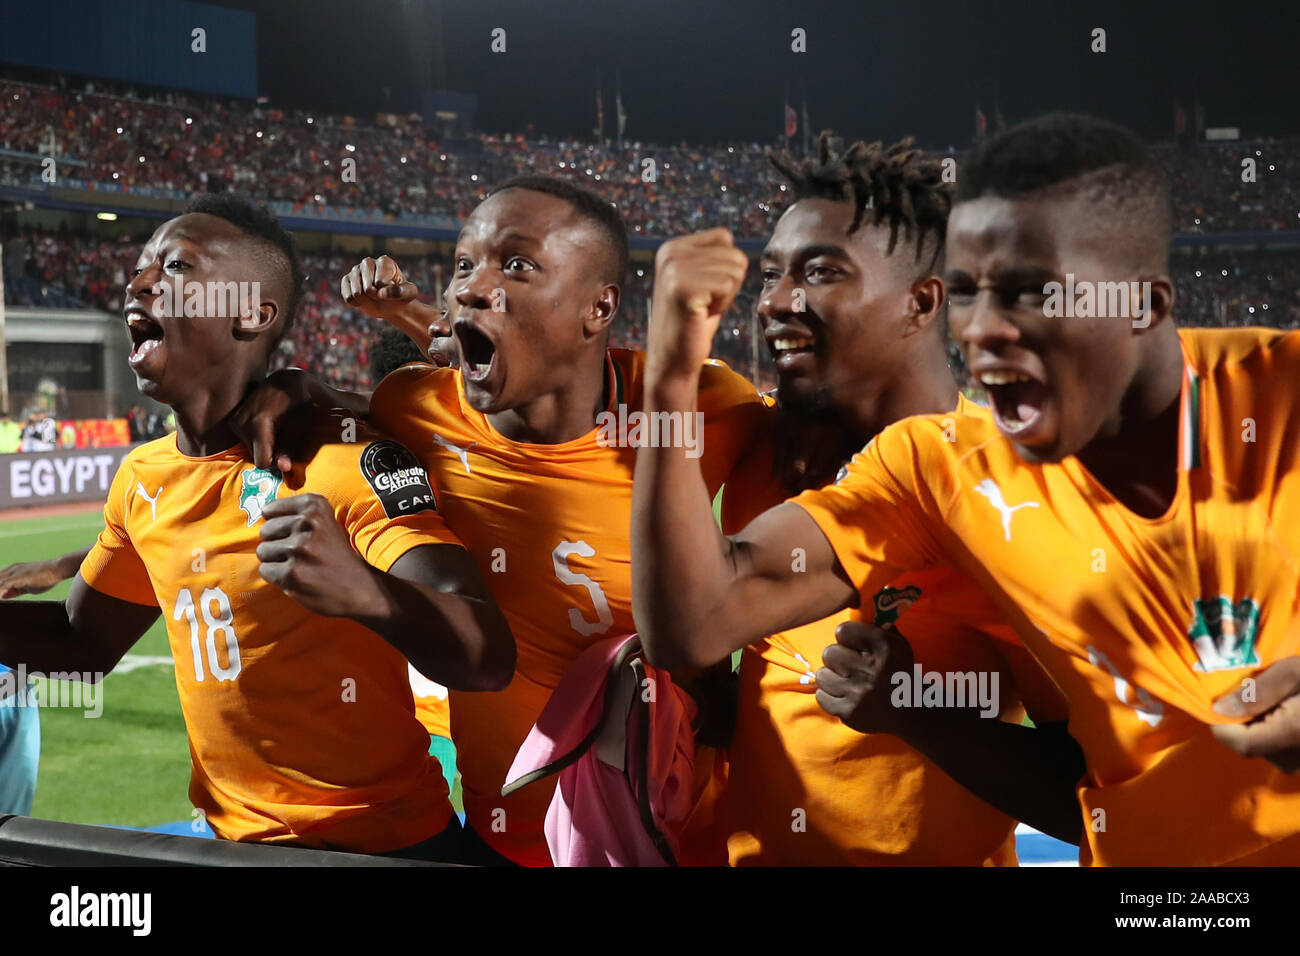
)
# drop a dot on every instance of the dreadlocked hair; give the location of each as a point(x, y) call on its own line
point(898, 183)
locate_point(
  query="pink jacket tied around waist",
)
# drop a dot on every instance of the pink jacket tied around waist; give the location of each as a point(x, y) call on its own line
point(618, 732)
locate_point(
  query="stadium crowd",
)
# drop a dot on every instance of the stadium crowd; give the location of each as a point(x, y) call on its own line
point(62, 270)
point(189, 144)
point(192, 144)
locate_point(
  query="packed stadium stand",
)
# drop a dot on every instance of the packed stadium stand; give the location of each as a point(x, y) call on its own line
point(1237, 261)
point(180, 144)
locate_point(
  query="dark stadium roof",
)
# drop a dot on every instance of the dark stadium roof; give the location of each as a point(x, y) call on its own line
point(704, 73)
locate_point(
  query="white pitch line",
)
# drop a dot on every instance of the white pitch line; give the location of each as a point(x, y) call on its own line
point(25, 532)
point(131, 662)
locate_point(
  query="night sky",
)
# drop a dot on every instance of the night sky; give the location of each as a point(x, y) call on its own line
point(710, 71)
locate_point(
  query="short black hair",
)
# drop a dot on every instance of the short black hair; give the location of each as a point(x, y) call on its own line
point(898, 184)
point(390, 351)
point(1066, 153)
point(258, 221)
point(601, 212)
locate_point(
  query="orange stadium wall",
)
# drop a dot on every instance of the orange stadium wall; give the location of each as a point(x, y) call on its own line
point(94, 433)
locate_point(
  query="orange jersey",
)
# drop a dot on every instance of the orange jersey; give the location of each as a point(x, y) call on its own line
point(804, 789)
point(1143, 622)
point(548, 526)
point(302, 728)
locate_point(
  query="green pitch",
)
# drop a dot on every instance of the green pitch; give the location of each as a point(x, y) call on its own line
point(131, 765)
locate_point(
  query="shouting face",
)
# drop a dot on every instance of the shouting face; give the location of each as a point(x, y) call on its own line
point(530, 294)
point(1056, 381)
point(182, 343)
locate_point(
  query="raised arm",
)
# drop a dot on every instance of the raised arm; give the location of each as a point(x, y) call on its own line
point(379, 289)
point(697, 594)
point(270, 418)
point(87, 634)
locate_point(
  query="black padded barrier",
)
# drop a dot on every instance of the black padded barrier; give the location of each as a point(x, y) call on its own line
point(27, 841)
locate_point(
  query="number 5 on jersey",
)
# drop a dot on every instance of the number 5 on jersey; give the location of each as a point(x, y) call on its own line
point(223, 625)
point(604, 617)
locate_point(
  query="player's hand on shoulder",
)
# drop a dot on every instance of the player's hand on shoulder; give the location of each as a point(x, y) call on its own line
point(272, 418)
point(854, 685)
point(379, 288)
point(30, 577)
point(1271, 701)
point(306, 554)
point(696, 280)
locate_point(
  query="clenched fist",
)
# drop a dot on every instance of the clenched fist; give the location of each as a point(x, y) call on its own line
point(855, 683)
point(379, 289)
point(306, 554)
point(696, 280)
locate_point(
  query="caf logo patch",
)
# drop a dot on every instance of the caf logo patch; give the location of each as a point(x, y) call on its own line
point(399, 481)
point(258, 488)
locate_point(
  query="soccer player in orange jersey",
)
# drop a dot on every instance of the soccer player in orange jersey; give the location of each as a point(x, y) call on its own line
point(852, 311)
point(390, 351)
point(1126, 502)
point(293, 599)
point(526, 441)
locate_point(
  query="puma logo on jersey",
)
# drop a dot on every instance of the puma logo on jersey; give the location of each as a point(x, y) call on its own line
point(990, 490)
point(461, 453)
point(153, 502)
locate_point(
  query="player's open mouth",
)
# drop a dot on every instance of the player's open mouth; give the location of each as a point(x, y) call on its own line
point(477, 352)
point(1018, 399)
point(146, 337)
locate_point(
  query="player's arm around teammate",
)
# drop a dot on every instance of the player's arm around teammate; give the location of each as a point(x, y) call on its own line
point(266, 419)
point(699, 595)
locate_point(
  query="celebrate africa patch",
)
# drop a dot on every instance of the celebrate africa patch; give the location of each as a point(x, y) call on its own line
point(399, 481)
